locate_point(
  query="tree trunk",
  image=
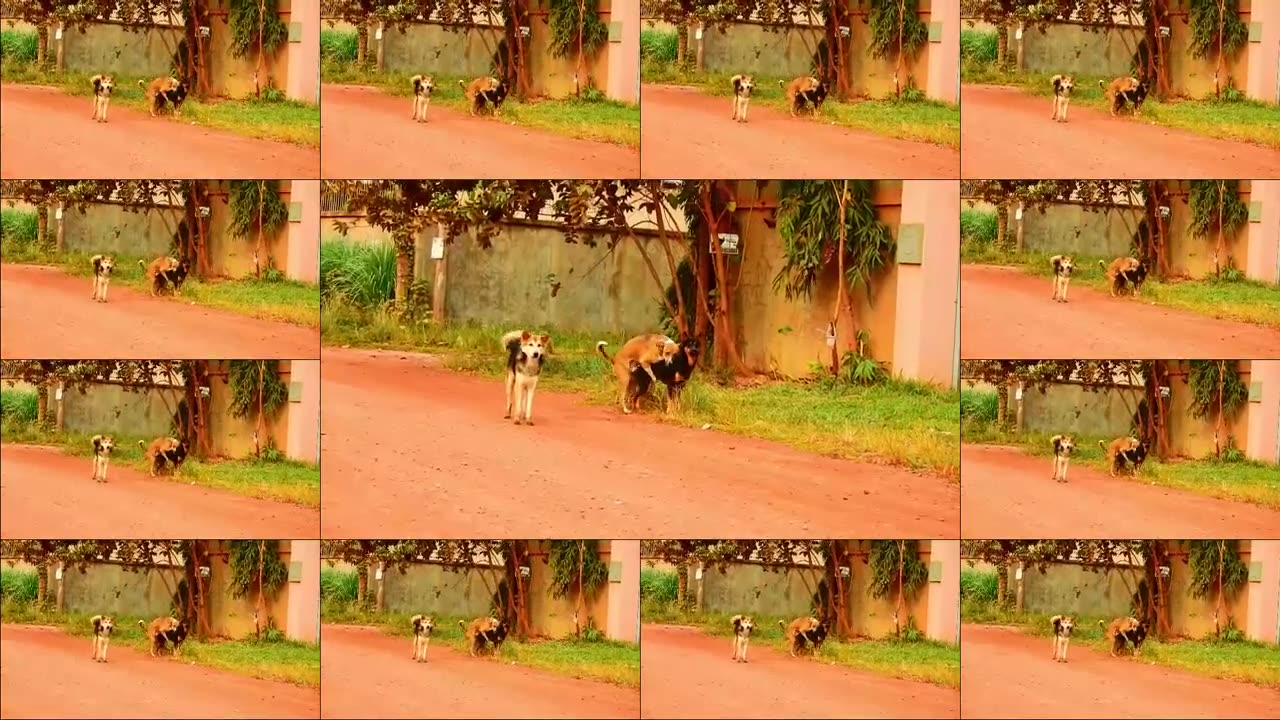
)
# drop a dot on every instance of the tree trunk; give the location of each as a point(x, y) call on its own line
point(362, 43)
point(260, 613)
point(42, 226)
point(42, 582)
point(682, 43)
point(1002, 405)
point(257, 431)
point(257, 250)
point(42, 44)
point(897, 611)
point(897, 71)
point(1217, 612)
point(42, 405)
point(1002, 583)
point(362, 582)
point(726, 345)
point(577, 613)
point(1217, 250)
point(1002, 227)
point(1217, 429)
point(1217, 72)
point(404, 275)
point(702, 273)
point(1002, 44)
point(682, 586)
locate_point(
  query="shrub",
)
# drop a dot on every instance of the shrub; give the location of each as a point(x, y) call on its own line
point(658, 585)
point(18, 227)
point(978, 226)
point(978, 45)
point(978, 585)
point(18, 45)
point(360, 275)
point(979, 405)
point(658, 45)
point(338, 585)
point(18, 586)
point(18, 405)
point(339, 45)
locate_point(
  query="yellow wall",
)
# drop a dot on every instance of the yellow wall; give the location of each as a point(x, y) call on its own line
point(552, 76)
point(233, 76)
point(553, 617)
point(231, 436)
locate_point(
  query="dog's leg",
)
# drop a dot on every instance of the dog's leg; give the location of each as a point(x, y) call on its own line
point(105, 463)
point(511, 380)
point(649, 370)
point(1066, 103)
point(1065, 464)
point(105, 105)
point(528, 405)
point(1066, 642)
point(1066, 283)
point(105, 284)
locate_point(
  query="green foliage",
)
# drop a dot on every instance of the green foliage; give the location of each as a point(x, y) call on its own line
point(978, 45)
point(979, 405)
point(244, 378)
point(809, 223)
point(18, 227)
point(18, 46)
point(571, 19)
point(1205, 207)
point(978, 226)
point(244, 17)
point(339, 45)
point(659, 586)
point(338, 585)
point(1204, 557)
point(243, 560)
point(564, 559)
point(18, 406)
point(360, 275)
point(1204, 378)
point(978, 585)
point(254, 199)
point(885, 18)
point(18, 586)
point(1206, 22)
point(886, 556)
point(857, 367)
point(660, 46)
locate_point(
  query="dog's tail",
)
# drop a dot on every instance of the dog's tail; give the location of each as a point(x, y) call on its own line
point(782, 85)
point(142, 625)
point(1102, 265)
point(462, 85)
point(782, 625)
point(1102, 85)
point(414, 620)
point(1104, 449)
point(600, 346)
point(511, 340)
point(142, 85)
point(142, 445)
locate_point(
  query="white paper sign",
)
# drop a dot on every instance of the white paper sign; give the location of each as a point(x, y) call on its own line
point(57, 395)
point(57, 214)
point(697, 34)
point(697, 574)
point(1017, 214)
point(57, 574)
point(1017, 394)
point(377, 574)
point(1017, 574)
point(57, 34)
point(437, 248)
point(1017, 34)
point(378, 35)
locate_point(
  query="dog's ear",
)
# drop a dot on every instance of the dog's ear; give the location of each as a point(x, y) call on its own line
point(524, 336)
point(546, 340)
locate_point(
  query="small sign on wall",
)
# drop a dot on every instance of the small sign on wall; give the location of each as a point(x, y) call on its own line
point(437, 248)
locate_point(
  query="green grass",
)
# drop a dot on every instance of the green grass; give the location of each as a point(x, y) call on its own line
point(277, 660)
point(658, 585)
point(342, 46)
point(283, 300)
point(978, 585)
point(1241, 120)
point(918, 660)
point(1243, 480)
point(19, 406)
point(918, 120)
point(1240, 300)
point(275, 119)
point(18, 586)
point(284, 480)
point(978, 228)
point(18, 46)
point(978, 46)
point(18, 228)
point(591, 118)
point(599, 660)
point(897, 423)
point(1240, 661)
point(341, 586)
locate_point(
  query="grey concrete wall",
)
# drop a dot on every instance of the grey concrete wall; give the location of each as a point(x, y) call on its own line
point(113, 49)
point(509, 284)
point(433, 589)
point(1072, 229)
point(435, 50)
point(112, 589)
point(111, 409)
point(754, 590)
point(753, 49)
point(112, 229)
point(1071, 409)
point(1073, 49)
point(1074, 590)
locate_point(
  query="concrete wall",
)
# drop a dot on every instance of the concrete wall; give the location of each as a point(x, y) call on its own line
point(944, 592)
point(1263, 620)
point(1072, 229)
point(928, 291)
point(111, 409)
point(302, 258)
point(115, 49)
point(434, 589)
point(110, 588)
point(624, 591)
point(107, 228)
point(1071, 409)
point(552, 616)
point(1078, 49)
point(304, 592)
point(1263, 256)
point(1071, 589)
point(437, 50)
point(303, 52)
point(1262, 414)
point(1264, 55)
point(624, 53)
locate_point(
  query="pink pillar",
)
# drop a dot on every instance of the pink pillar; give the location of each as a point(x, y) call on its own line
point(925, 330)
point(1264, 596)
point(624, 593)
point(304, 415)
point(944, 595)
point(624, 68)
point(1264, 57)
point(1264, 415)
point(304, 235)
point(304, 592)
point(1264, 236)
point(304, 56)
point(944, 56)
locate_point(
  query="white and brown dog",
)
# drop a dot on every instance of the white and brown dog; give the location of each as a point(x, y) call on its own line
point(1063, 446)
point(742, 87)
point(103, 445)
point(103, 626)
point(423, 86)
point(1063, 85)
point(743, 626)
point(1063, 265)
point(640, 352)
point(423, 626)
point(103, 266)
point(102, 87)
point(525, 353)
point(1062, 627)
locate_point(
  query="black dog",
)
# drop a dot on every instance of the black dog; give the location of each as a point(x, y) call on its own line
point(1134, 277)
point(1133, 97)
point(174, 277)
point(496, 96)
point(174, 457)
point(496, 637)
point(816, 636)
point(673, 374)
point(174, 97)
point(816, 95)
point(1135, 456)
point(176, 637)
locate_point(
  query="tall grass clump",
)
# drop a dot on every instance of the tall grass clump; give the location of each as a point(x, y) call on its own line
point(359, 275)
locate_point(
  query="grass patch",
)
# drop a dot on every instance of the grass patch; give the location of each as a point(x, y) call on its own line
point(18, 228)
point(1240, 300)
point(283, 300)
point(599, 660)
point(1242, 480)
point(1240, 660)
point(898, 423)
point(277, 118)
point(284, 480)
point(278, 660)
point(18, 46)
point(918, 660)
point(915, 119)
point(18, 586)
point(592, 117)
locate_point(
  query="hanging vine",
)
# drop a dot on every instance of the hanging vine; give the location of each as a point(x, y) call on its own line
point(883, 562)
point(809, 224)
point(247, 377)
point(1216, 569)
point(243, 558)
point(257, 212)
point(256, 24)
point(571, 20)
point(1216, 388)
point(1214, 21)
point(896, 28)
point(562, 559)
point(1216, 206)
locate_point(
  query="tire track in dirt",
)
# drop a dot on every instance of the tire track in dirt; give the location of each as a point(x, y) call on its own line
point(686, 673)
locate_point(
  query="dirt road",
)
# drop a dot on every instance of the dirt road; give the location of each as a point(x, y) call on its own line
point(1006, 493)
point(1008, 314)
point(368, 673)
point(690, 134)
point(412, 450)
point(49, 314)
point(46, 133)
point(369, 134)
point(43, 488)
point(686, 673)
point(1006, 674)
point(1009, 133)
point(49, 674)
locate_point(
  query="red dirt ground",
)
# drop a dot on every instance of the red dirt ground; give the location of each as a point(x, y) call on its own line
point(49, 674)
point(418, 451)
point(47, 314)
point(370, 674)
point(1006, 674)
point(1009, 494)
point(44, 489)
point(686, 673)
point(46, 133)
point(691, 134)
point(366, 134)
point(1006, 313)
point(1008, 133)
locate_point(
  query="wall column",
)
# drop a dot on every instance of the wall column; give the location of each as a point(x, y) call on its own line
point(1264, 56)
point(624, 72)
point(1264, 594)
point(1264, 414)
point(304, 412)
point(925, 326)
point(304, 54)
point(624, 590)
point(943, 622)
point(944, 56)
point(303, 263)
point(304, 591)
point(1263, 236)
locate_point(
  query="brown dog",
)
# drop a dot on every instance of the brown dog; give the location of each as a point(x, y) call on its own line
point(164, 450)
point(156, 632)
point(1116, 450)
point(1124, 272)
point(803, 631)
point(485, 90)
point(162, 90)
point(159, 271)
point(804, 91)
point(480, 631)
point(643, 350)
point(1123, 631)
point(1124, 90)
